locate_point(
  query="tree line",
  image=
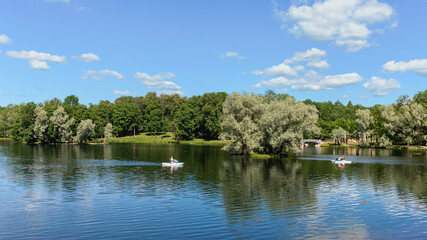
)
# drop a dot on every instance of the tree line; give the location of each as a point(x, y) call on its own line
point(268, 122)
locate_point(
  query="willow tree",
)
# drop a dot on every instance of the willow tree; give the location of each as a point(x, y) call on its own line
point(85, 130)
point(364, 120)
point(41, 124)
point(283, 124)
point(108, 131)
point(240, 122)
point(253, 122)
point(413, 117)
point(62, 124)
point(339, 135)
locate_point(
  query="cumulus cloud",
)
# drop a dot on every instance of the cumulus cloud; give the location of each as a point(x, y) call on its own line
point(36, 55)
point(231, 54)
point(170, 92)
point(122, 93)
point(377, 86)
point(313, 81)
point(37, 60)
point(37, 64)
point(417, 65)
point(319, 64)
point(347, 23)
point(158, 81)
point(287, 68)
point(312, 54)
point(87, 57)
point(98, 75)
point(4, 39)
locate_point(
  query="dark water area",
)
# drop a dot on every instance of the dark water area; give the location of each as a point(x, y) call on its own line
point(121, 191)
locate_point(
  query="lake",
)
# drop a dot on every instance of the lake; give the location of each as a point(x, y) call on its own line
point(120, 191)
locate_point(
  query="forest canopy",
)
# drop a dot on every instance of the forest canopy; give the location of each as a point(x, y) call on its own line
point(258, 119)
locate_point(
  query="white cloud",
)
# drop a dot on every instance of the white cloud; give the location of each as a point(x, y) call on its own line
point(158, 81)
point(37, 56)
point(312, 54)
point(123, 93)
point(282, 69)
point(4, 39)
point(417, 65)
point(37, 60)
point(1, 51)
point(380, 87)
point(231, 54)
point(288, 69)
point(88, 57)
point(319, 65)
point(170, 92)
point(98, 75)
point(276, 82)
point(313, 81)
point(37, 64)
point(156, 77)
point(344, 22)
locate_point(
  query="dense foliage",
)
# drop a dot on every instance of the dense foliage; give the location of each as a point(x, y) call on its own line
point(255, 120)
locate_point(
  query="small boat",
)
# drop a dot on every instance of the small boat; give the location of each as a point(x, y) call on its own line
point(341, 162)
point(168, 164)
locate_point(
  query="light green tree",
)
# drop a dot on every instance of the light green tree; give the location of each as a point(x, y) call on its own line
point(240, 122)
point(270, 125)
point(41, 124)
point(62, 124)
point(364, 120)
point(108, 131)
point(283, 123)
point(413, 117)
point(85, 130)
point(339, 135)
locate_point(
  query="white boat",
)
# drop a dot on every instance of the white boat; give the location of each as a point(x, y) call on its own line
point(341, 162)
point(168, 164)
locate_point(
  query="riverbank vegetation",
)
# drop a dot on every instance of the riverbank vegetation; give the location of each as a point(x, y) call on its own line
point(267, 123)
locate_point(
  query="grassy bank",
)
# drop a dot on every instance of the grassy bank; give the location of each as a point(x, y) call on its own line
point(354, 145)
point(158, 138)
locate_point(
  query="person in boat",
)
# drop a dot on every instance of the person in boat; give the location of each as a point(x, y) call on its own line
point(339, 158)
point(173, 160)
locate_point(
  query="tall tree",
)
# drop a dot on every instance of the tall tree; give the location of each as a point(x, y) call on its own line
point(126, 118)
point(414, 117)
point(364, 120)
point(283, 123)
point(108, 131)
point(23, 128)
point(62, 124)
point(41, 124)
point(85, 130)
point(240, 122)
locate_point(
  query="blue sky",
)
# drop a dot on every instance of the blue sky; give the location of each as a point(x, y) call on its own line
point(364, 51)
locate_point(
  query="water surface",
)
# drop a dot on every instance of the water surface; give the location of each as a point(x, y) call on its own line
point(122, 192)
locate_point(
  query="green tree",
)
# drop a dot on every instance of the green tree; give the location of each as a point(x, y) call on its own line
point(41, 124)
point(283, 123)
point(126, 118)
point(23, 127)
point(339, 135)
point(364, 120)
point(62, 124)
point(108, 131)
point(85, 131)
point(240, 122)
point(414, 117)
point(184, 123)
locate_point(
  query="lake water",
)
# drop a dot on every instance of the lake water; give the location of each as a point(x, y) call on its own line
point(122, 192)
